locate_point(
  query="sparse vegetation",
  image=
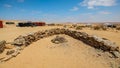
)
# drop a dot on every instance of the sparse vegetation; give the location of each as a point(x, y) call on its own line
point(103, 28)
point(58, 24)
point(71, 27)
point(64, 26)
point(74, 26)
point(78, 28)
point(96, 28)
point(100, 28)
point(52, 24)
point(117, 28)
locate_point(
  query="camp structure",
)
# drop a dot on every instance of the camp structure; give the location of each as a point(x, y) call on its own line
point(110, 25)
point(30, 24)
point(10, 23)
point(39, 23)
point(1, 24)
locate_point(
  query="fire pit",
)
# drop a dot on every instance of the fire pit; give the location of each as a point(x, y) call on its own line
point(58, 39)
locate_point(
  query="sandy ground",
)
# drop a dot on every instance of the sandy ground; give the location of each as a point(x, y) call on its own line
point(10, 32)
point(45, 54)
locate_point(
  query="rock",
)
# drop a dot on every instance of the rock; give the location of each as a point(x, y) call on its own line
point(2, 45)
point(9, 46)
point(97, 38)
point(31, 37)
point(56, 42)
point(10, 52)
point(59, 39)
point(19, 41)
point(6, 58)
point(116, 54)
point(36, 36)
point(16, 53)
point(105, 44)
point(94, 41)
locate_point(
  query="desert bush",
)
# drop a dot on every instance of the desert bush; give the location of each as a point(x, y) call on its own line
point(74, 26)
point(89, 26)
point(78, 28)
point(71, 27)
point(100, 28)
point(103, 28)
point(117, 28)
point(52, 24)
point(64, 26)
point(59, 24)
point(96, 27)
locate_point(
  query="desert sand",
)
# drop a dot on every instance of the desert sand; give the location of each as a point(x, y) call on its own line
point(45, 54)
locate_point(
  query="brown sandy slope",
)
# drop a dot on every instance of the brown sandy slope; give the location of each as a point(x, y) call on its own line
point(44, 54)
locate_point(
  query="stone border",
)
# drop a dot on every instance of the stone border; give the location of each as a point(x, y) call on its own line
point(94, 41)
point(2, 46)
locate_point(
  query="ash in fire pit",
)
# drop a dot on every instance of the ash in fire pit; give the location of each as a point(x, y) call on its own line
point(58, 39)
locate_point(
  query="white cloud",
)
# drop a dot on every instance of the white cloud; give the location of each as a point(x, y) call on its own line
point(94, 3)
point(7, 5)
point(104, 12)
point(20, 1)
point(74, 9)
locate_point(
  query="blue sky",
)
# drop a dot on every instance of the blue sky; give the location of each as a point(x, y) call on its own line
point(61, 10)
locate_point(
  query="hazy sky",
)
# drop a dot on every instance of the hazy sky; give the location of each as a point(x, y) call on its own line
point(61, 10)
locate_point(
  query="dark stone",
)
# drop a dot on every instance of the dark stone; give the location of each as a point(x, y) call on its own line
point(10, 52)
point(58, 40)
point(2, 46)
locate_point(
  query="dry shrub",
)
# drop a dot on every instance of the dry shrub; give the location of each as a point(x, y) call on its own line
point(74, 26)
point(99, 28)
point(64, 26)
point(103, 28)
point(78, 28)
point(96, 27)
point(59, 24)
point(9, 46)
point(71, 27)
point(89, 26)
point(52, 24)
point(118, 28)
